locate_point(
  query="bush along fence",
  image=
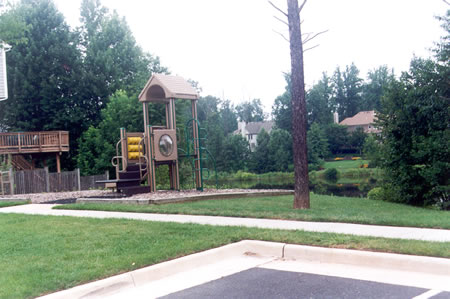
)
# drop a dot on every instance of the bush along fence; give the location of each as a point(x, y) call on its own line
point(41, 180)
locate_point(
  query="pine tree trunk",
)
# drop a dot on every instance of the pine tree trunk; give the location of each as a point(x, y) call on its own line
point(301, 196)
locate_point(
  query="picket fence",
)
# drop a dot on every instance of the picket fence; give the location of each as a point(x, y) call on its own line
point(41, 180)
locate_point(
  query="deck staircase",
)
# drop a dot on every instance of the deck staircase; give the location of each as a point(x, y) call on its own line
point(20, 163)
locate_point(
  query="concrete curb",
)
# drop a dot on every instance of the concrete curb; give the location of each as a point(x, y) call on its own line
point(388, 261)
point(185, 198)
point(140, 277)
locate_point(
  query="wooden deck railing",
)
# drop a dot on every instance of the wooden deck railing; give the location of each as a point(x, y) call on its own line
point(34, 142)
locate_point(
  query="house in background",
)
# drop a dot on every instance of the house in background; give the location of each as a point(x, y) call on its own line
point(251, 130)
point(364, 120)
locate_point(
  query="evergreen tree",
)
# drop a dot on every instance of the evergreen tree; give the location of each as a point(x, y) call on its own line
point(235, 154)
point(414, 130)
point(228, 117)
point(337, 137)
point(280, 150)
point(317, 144)
point(415, 134)
point(260, 161)
point(357, 139)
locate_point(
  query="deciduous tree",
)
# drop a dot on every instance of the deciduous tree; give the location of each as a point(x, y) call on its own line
point(282, 108)
point(111, 58)
point(373, 90)
point(44, 75)
point(318, 102)
point(250, 111)
point(347, 91)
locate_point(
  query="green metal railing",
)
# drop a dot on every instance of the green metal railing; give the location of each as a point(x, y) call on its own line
point(203, 152)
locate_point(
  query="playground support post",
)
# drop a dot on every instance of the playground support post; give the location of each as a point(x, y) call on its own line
point(172, 124)
point(151, 173)
point(124, 148)
point(196, 139)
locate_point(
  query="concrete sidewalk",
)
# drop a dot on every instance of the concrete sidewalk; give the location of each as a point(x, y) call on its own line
point(424, 234)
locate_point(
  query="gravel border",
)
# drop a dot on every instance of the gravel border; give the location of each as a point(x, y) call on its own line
point(161, 194)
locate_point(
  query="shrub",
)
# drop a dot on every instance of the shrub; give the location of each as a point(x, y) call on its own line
point(388, 193)
point(331, 174)
point(242, 175)
point(313, 167)
point(442, 197)
point(376, 193)
point(319, 187)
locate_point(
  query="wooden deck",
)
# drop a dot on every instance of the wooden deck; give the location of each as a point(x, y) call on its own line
point(34, 142)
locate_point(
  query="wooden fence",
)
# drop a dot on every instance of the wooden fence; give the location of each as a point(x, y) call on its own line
point(88, 182)
point(6, 184)
point(40, 180)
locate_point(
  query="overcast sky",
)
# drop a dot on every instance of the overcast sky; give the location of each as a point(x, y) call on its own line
point(232, 49)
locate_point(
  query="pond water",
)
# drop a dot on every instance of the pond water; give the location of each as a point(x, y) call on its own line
point(357, 189)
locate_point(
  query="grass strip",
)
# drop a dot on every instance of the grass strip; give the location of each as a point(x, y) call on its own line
point(43, 254)
point(344, 164)
point(324, 208)
point(4, 204)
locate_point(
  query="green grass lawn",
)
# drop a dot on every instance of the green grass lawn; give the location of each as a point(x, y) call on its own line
point(323, 208)
point(42, 254)
point(344, 164)
point(4, 204)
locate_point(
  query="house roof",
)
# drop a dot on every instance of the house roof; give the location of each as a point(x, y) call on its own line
point(256, 127)
point(160, 88)
point(361, 118)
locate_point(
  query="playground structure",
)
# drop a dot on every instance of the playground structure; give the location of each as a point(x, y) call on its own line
point(37, 145)
point(139, 154)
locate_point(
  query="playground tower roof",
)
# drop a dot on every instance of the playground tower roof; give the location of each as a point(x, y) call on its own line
point(161, 88)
